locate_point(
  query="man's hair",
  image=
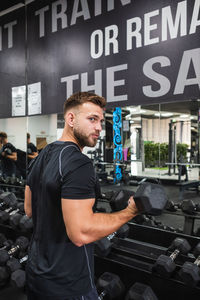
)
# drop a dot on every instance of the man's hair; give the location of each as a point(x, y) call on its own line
point(28, 135)
point(3, 135)
point(83, 97)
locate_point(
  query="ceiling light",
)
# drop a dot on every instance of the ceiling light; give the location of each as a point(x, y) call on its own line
point(184, 116)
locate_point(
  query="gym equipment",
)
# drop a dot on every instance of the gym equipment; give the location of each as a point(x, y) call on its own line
point(11, 215)
point(140, 291)
point(164, 264)
point(18, 278)
point(21, 244)
point(109, 285)
point(12, 265)
point(103, 246)
point(190, 272)
point(25, 223)
point(149, 198)
point(187, 206)
point(4, 276)
point(8, 199)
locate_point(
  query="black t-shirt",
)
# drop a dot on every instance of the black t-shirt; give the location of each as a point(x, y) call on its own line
point(8, 166)
point(30, 149)
point(56, 267)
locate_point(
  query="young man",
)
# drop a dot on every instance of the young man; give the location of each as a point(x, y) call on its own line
point(60, 196)
point(32, 151)
point(8, 156)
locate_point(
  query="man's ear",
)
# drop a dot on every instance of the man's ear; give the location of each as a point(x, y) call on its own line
point(69, 119)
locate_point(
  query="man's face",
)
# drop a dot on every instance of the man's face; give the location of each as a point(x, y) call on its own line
point(88, 124)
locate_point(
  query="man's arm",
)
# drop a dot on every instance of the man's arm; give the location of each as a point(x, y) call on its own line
point(12, 156)
point(84, 227)
point(33, 155)
point(27, 201)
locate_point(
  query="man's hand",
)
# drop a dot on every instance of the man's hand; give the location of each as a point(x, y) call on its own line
point(131, 206)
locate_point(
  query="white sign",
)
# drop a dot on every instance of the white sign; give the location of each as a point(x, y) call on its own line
point(34, 98)
point(18, 101)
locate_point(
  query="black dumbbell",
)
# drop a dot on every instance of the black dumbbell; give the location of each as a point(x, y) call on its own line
point(21, 244)
point(190, 272)
point(103, 246)
point(11, 215)
point(171, 206)
point(4, 243)
point(140, 291)
point(8, 199)
point(12, 265)
point(109, 285)
point(149, 198)
point(25, 223)
point(164, 264)
point(189, 207)
point(18, 278)
point(4, 276)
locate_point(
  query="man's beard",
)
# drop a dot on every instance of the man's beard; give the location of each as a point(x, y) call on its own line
point(83, 140)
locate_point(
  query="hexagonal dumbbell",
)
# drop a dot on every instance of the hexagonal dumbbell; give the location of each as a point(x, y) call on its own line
point(164, 264)
point(190, 272)
point(103, 246)
point(110, 286)
point(21, 244)
point(140, 291)
point(149, 198)
point(18, 278)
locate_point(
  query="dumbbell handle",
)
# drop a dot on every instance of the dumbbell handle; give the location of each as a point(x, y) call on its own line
point(23, 259)
point(197, 261)
point(111, 236)
point(174, 254)
point(14, 212)
point(102, 295)
point(13, 250)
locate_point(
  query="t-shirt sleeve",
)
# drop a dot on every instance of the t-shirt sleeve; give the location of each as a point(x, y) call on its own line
point(33, 148)
point(11, 147)
point(79, 184)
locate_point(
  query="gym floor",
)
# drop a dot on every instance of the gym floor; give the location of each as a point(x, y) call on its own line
point(171, 220)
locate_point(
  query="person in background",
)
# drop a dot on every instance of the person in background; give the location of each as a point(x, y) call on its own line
point(8, 156)
point(32, 151)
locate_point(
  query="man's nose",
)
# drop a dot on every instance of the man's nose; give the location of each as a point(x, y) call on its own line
point(98, 126)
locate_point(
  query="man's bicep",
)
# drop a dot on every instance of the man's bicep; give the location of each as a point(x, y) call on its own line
point(75, 214)
point(28, 201)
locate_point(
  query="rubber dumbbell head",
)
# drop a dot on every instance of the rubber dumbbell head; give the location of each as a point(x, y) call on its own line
point(188, 207)
point(25, 223)
point(149, 198)
point(103, 246)
point(165, 265)
point(18, 278)
point(110, 285)
point(190, 272)
point(140, 291)
point(8, 198)
point(4, 276)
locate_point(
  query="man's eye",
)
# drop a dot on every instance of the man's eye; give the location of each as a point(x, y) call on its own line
point(92, 119)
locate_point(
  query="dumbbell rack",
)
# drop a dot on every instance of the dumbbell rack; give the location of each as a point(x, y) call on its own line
point(10, 187)
point(133, 259)
point(188, 220)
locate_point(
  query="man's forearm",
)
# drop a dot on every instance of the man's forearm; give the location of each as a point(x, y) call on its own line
point(103, 224)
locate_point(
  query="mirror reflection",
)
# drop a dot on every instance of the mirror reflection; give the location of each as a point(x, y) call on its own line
point(13, 149)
